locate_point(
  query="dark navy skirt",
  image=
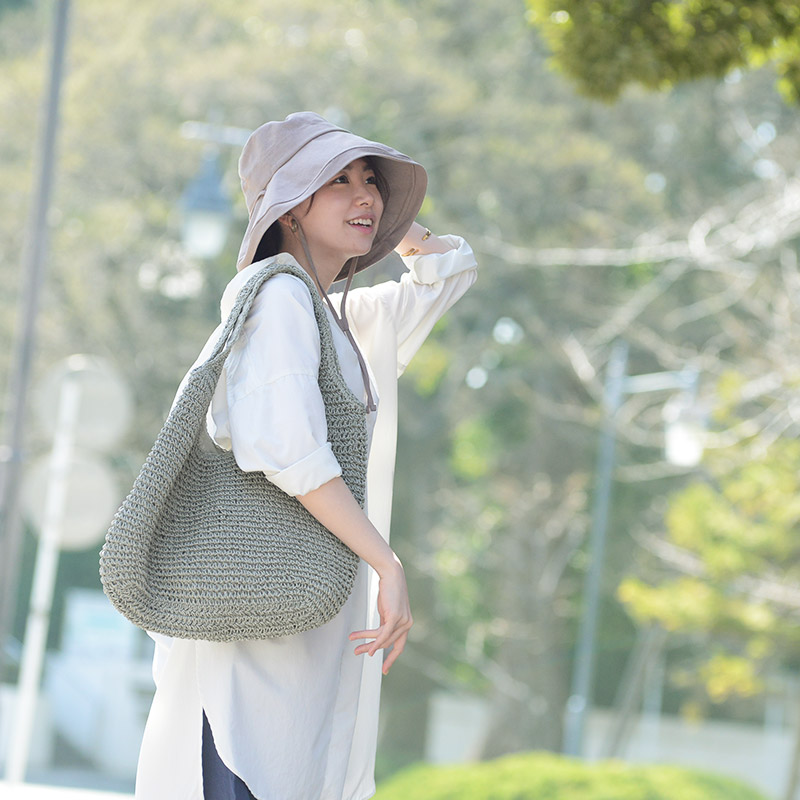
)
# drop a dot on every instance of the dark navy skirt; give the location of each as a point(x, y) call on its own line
point(219, 783)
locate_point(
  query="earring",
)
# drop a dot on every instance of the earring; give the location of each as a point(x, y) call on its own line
point(293, 225)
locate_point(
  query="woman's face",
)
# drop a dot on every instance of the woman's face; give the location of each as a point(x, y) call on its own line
point(341, 220)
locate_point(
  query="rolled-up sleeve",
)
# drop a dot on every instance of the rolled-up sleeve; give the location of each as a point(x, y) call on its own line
point(276, 414)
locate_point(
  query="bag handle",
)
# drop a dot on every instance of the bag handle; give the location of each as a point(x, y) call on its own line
point(204, 378)
point(191, 406)
point(241, 308)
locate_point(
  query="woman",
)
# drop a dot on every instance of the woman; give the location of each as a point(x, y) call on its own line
point(296, 718)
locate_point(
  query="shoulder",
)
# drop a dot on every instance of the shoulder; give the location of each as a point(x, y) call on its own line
point(285, 284)
point(283, 294)
point(280, 335)
point(283, 311)
point(281, 285)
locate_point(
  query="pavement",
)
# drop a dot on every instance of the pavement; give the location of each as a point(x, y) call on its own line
point(30, 791)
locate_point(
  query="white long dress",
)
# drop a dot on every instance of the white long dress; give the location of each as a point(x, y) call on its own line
point(297, 717)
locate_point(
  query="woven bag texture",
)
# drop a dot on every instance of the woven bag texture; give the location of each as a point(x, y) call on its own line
point(201, 549)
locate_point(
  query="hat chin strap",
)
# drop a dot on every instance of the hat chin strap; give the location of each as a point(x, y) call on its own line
point(341, 321)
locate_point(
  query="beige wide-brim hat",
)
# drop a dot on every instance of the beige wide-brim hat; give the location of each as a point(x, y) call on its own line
point(284, 163)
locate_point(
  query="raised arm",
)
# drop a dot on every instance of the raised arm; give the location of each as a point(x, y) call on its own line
point(440, 270)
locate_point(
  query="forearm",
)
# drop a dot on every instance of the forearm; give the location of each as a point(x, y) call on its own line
point(335, 507)
point(413, 241)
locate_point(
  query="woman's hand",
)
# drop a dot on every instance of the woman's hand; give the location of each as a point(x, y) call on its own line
point(395, 615)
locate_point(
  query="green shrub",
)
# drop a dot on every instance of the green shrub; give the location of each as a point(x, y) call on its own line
point(544, 776)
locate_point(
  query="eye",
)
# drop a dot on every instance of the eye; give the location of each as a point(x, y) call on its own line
point(341, 178)
point(372, 179)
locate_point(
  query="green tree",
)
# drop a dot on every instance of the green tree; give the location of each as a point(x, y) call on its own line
point(732, 551)
point(606, 44)
point(723, 579)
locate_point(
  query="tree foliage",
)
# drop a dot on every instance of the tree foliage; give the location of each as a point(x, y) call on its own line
point(727, 571)
point(606, 44)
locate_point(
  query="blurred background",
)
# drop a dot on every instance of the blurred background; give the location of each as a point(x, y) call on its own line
point(597, 483)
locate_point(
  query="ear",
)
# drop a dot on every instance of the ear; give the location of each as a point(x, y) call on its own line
point(288, 220)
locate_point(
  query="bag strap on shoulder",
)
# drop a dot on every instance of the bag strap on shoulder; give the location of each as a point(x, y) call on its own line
point(205, 376)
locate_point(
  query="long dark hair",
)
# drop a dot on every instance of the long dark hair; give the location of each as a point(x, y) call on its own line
point(272, 241)
point(270, 244)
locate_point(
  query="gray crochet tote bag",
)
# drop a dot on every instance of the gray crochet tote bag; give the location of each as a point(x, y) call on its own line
point(201, 549)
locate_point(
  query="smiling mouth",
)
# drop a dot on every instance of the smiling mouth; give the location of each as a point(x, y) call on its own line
point(361, 222)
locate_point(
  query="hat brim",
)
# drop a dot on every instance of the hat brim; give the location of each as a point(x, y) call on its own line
point(406, 179)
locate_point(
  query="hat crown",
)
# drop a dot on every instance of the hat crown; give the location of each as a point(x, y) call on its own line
point(273, 145)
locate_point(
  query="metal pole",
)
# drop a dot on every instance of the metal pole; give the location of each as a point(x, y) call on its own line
point(11, 456)
point(44, 580)
point(583, 670)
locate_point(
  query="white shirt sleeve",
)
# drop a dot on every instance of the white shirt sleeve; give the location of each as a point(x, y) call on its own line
point(276, 414)
point(415, 303)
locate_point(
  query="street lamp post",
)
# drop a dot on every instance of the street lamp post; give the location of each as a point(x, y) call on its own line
point(33, 265)
point(684, 453)
point(205, 206)
point(206, 211)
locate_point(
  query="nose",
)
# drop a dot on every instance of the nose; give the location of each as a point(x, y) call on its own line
point(365, 196)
